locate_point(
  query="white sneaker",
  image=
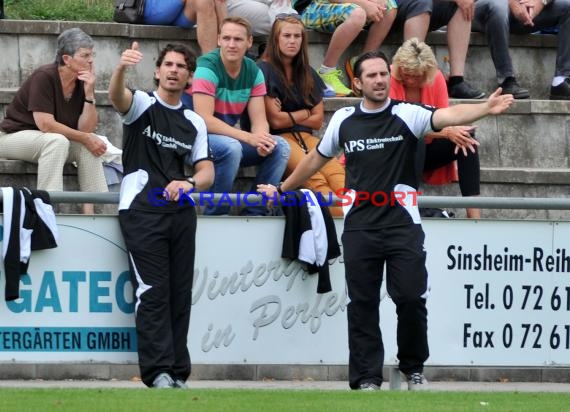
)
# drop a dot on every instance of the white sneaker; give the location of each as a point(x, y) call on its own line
point(417, 382)
point(369, 386)
point(162, 381)
point(180, 384)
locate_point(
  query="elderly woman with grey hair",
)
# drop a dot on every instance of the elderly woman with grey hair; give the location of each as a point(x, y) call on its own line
point(53, 116)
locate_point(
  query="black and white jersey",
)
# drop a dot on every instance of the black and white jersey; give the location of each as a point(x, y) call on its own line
point(380, 148)
point(157, 140)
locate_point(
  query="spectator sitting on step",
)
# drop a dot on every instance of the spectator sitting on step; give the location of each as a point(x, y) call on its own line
point(225, 84)
point(499, 18)
point(294, 101)
point(52, 119)
point(207, 15)
point(416, 17)
point(416, 78)
point(259, 13)
point(344, 20)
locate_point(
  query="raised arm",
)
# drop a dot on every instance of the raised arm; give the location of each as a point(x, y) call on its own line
point(467, 113)
point(120, 96)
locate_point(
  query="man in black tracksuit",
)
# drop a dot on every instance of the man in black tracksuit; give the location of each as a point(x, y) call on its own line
point(157, 219)
point(379, 137)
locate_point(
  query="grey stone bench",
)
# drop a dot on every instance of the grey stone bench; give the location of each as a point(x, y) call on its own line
point(32, 43)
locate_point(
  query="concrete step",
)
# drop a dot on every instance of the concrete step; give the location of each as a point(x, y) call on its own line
point(26, 45)
point(495, 182)
point(524, 153)
point(514, 182)
point(533, 134)
point(19, 173)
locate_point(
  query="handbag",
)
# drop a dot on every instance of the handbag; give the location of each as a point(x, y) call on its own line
point(129, 11)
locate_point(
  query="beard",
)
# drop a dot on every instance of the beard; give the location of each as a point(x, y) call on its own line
point(375, 98)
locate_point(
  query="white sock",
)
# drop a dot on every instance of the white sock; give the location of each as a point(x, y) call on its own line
point(558, 80)
point(324, 69)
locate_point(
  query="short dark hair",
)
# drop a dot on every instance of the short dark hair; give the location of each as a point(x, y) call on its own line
point(189, 56)
point(376, 54)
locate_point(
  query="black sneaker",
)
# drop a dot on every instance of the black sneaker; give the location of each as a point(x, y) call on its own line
point(510, 86)
point(464, 91)
point(562, 91)
point(417, 382)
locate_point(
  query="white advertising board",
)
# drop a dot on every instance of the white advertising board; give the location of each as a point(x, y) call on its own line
point(500, 296)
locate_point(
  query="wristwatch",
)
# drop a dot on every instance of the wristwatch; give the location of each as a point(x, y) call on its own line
point(192, 181)
point(546, 2)
point(86, 100)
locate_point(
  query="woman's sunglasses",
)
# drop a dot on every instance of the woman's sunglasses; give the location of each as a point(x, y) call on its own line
point(283, 16)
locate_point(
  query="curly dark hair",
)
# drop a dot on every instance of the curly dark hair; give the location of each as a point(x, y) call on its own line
point(189, 56)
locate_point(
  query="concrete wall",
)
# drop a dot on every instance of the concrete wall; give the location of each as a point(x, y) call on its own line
point(31, 43)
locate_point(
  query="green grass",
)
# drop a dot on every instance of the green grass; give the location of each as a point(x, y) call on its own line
point(109, 400)
point(73, 10)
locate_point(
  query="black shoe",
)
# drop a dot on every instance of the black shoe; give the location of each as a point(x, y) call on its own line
point(464, 91)
point(260, 49)
point(510, 86)
point(417, 382)
point(562, 91)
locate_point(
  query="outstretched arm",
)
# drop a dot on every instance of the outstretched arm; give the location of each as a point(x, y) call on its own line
point(120, 96)
point(467, 113)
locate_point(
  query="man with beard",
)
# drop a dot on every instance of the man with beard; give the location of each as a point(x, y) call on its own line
point(379, 137)
point(158, 220)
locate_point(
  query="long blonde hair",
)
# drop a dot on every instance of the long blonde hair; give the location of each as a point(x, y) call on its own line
point(414, 55)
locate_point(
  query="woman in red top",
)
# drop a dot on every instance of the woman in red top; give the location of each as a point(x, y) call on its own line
point(416, 78)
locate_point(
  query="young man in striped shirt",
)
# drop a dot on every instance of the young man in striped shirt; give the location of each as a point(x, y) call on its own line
point(225, 85)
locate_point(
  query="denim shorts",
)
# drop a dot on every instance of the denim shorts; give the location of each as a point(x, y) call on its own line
point(441, 12)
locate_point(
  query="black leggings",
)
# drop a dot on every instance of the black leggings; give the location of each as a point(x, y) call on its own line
point(440, 152)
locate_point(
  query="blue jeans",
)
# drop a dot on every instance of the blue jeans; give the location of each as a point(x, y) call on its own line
point(229, 154)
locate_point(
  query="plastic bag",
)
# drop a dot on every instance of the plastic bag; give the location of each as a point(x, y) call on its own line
point(280, 7)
